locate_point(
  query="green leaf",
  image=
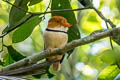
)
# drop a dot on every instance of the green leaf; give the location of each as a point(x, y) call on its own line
point(7, 59)
point(111, 56)
point(73, 32)
point(17, 14)
point(12, 56)
point(38, 76)
point(1, 63)
point(25, 30)
point(50, 75)
point(108, 56)
point(23, 20)
point(109, 73)
point(15, 55)
point(118, 4)
point(85, 3)
point(33, 2)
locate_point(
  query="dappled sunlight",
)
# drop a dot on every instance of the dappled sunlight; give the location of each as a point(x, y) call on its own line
point(90, 27)
point(96, 3)
point(105, 10)
point(79, 66)
point(91, 22)
point(98, 47)
point(103, 24)
point(88, 71)
point(25, 47)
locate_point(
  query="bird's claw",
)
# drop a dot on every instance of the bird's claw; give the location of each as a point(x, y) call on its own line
point(50, 49)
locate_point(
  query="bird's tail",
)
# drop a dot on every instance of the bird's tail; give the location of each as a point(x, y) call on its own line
point(57, 66)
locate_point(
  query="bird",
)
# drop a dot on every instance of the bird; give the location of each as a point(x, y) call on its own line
point(55, 36)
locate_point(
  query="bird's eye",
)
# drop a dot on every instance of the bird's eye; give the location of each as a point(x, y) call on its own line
point(57, 21)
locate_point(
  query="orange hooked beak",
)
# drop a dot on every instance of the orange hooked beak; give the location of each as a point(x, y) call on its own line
point(67, 25)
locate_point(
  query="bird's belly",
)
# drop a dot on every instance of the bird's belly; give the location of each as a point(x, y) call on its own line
point(55, 39)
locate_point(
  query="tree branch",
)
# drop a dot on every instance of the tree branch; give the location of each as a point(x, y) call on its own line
point(44, 54)
point(12, 78)
point(38, 68)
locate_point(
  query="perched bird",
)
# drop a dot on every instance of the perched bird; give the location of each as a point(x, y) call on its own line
point(55, 36)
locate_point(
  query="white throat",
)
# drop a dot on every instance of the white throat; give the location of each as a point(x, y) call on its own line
point(62, 28)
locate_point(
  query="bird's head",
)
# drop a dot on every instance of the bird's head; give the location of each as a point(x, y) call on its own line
point(58, 21)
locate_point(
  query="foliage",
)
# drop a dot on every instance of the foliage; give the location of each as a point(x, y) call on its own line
point(16, 56)
point(86, 62)
point(109, 73)
point(16, 14)
point(110, 56)
point(31, 24)
point(85, 3)
point(33, 2)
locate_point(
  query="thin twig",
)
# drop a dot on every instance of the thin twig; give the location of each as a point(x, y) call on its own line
point(1, 45)
point(69, 10)
point(20, 24)
point(46, 12)
point(102, 16)
point(107, 25)
point(47, 9)
point(62, 10)
point(38, 14)
point(31, 15)
point(4, 34)
point(110, 37)
point(17, 7)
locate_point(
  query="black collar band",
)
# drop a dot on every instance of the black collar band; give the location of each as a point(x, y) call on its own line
point(55, 30)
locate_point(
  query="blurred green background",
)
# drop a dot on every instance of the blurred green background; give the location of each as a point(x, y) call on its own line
point(85, 63)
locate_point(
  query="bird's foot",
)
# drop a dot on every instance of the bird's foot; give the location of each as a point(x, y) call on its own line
point(50, 49)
